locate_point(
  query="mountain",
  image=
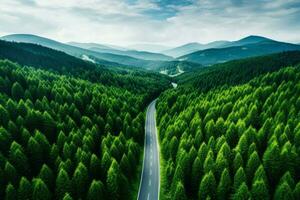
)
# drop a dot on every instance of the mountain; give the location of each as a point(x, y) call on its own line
point(88, 45)
point(245, 41)
point(184, 49)
point(212, 56)
point(101, 46)
point(98, 57)
point(125, 52)
point(238, 71)
point(193, 47)
point(149, 47)
point(40, 56)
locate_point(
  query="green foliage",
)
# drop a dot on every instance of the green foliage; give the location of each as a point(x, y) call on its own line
point(96, 191)
point(40, 190)
point(245, 136)
point(207, 186)
point(63, 127)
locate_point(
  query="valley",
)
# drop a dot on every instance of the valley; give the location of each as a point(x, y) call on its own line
point(92, 121)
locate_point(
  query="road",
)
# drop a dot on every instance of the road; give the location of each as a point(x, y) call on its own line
point(149, 185)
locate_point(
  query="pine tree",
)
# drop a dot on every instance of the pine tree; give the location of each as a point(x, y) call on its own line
point(207, 186)
point(271, 161)
point(25, 189)
point(63, 184)
point(112, 181)
point(46, 174)
point(80, 180)
point(196, 174)
point(179, 193)
point(252, 165)
point(17, 91)
point(239, 178)
point(10, 192)
point(95, 166)
point(11, 173)
point(224, 186)
point(40, 190)
point(96, 191)
point(242, 192)
point(259, 191)
point(283, 192)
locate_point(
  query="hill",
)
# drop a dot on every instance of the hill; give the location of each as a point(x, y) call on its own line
point(232, 142)
point(193, 47)
point(102, 58)
point(157, 48)
point(132, 53)
point(59, 62)
point(212, 56)
point(245, 41)
point(237, 71)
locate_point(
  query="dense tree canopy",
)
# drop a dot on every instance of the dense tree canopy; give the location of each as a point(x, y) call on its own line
point(67, 137)
point(235, 142)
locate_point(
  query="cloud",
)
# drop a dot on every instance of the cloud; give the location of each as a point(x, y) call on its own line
point(169, 22)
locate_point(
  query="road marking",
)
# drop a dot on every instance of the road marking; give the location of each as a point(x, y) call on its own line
point(148, 196)
point(150, 172)
point(151, 163)
point(150, 182)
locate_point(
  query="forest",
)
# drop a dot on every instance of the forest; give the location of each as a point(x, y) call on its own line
point(67, 137)
point(233, 141)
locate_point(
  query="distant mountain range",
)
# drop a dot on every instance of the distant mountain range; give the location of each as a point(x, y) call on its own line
point(125, 52)
point(192, 47)
point(40, 56)
point(149, 47)
point(188, 57)
point(95, 54)
point(247, 47)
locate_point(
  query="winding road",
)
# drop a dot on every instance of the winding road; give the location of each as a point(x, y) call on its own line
point(149, 185)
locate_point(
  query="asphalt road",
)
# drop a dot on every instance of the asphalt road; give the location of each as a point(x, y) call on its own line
point(149, 185)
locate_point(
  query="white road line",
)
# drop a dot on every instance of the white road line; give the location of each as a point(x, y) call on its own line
point(150, 182)
point(148, 196)
point(151, 163)
point(150, 172)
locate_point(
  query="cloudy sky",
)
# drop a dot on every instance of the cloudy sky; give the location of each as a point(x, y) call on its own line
point(167, 22)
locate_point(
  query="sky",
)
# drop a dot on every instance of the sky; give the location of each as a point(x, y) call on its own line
point(163, 22)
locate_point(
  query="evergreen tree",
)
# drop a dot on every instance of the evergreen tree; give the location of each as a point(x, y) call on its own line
point(112, 180)
point(224, 186)
point(241, 193)
point(17, 91)
point(80, 180)
point(179, 193)
point(25, 189)
point(63, 184)
point(259, 191)
point(40, 190)
point(10, 192)
point(283, 192)
point(207, 186)
point(239, 178)
point(96, 191)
